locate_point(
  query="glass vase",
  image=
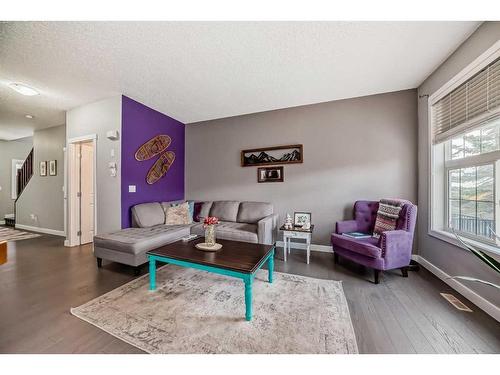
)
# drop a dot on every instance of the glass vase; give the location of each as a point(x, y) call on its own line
point(210, 235)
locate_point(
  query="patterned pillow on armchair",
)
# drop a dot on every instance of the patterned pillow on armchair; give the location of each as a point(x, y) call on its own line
point(387, 215)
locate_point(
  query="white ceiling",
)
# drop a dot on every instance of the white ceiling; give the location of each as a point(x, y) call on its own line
point(196, 71)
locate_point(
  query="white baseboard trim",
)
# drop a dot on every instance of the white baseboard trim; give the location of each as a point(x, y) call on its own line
point(41, 230)
point(66, 243)
point(314, 247)
point(482, 303)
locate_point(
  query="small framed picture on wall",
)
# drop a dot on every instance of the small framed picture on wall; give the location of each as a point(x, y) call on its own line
point(53, 168)
point(43, 168)
point(270, 174)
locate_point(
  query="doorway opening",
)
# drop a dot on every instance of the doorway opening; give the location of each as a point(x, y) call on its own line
point(81, 191)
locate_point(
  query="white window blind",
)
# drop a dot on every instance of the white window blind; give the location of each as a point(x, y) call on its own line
point(473, 102)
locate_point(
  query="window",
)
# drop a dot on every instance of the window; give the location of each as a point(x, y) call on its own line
point(471, 200)
point(471, 164)
point(465, 154)
point(476, 142)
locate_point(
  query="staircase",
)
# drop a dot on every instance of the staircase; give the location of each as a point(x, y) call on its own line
point(24, 175)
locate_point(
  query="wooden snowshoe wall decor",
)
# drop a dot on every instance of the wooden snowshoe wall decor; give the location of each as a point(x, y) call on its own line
point(154, 147)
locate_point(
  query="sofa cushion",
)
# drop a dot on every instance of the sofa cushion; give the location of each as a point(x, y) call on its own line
point(228, 230)
point(178, 214)
point(146, 215)
point(225, 210)
point(364, 246)
point(138, 240)
point(252, 212)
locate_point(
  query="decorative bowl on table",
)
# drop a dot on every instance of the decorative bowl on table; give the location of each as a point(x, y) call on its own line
point(208, 247)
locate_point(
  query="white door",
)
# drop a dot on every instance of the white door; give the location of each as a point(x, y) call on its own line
point(86, 193)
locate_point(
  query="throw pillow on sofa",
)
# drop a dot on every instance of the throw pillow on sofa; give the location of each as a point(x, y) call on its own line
point(178, 215)
point(191, 208)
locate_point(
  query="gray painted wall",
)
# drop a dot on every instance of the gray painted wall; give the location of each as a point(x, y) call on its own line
point(449, 258)
point(44, 196)
point(18, 149)
point(362, 148)
point(98, 118)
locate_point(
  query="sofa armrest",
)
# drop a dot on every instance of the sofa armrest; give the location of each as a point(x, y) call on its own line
point(266, 228)
point(396, 247)
point(346, 226)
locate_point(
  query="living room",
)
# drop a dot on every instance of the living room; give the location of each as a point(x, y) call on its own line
point(250, 187)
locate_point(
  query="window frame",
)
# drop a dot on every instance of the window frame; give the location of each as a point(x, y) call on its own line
point(470, 70)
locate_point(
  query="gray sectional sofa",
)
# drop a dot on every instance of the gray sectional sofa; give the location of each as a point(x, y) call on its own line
point(239, 221)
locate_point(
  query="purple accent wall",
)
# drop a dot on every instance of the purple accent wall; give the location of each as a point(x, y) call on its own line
point(140, 124)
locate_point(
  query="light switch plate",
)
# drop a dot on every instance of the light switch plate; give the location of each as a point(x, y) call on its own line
point(112, 168)
point(131, 189)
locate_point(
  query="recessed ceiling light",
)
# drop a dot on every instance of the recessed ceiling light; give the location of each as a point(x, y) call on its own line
point(23, 89)
point(29, 116)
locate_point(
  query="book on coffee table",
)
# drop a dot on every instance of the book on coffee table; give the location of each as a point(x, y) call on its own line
point(357, 235)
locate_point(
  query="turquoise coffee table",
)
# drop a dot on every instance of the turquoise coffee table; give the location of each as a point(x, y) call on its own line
point(235, 259)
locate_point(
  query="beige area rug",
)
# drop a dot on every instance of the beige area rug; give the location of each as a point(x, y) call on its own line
point(9, 234)
point(194, 311)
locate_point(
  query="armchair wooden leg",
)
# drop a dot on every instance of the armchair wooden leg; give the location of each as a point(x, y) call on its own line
point(99, 262)
point(335, 258)
point(404, 271)
point(376, 274)
point(414, 266)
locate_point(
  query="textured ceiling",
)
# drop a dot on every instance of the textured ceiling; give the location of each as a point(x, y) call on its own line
point(196, 71)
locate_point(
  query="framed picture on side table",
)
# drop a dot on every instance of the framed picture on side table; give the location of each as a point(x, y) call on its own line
point(301, 218)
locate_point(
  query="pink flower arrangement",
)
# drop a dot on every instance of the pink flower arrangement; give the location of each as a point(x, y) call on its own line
point(210, 220)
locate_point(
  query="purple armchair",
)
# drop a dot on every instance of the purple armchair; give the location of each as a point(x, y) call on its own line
point(392, 250)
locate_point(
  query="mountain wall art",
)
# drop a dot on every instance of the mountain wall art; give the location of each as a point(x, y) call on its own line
point(272, 155)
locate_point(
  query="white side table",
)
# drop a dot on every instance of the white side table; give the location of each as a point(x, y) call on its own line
point(298, 233)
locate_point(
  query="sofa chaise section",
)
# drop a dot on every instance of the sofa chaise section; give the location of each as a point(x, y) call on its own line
point(129, 246)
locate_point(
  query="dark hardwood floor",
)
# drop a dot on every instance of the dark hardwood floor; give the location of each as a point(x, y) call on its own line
point(42, 280)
